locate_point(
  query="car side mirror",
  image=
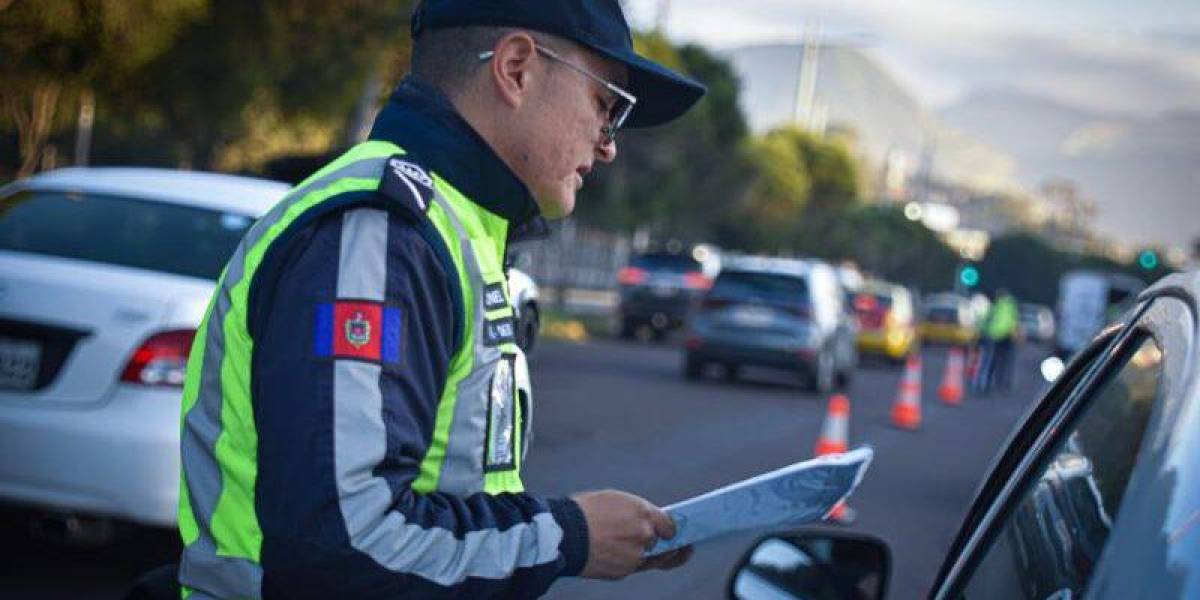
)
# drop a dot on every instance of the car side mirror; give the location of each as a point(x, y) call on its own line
point(816, 564)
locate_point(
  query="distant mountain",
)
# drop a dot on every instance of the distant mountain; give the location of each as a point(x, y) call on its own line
point(1143, 172)
point(856, 92)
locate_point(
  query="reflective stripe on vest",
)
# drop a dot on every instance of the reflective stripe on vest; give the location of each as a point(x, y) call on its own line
point(454, 463)
point(475, 440)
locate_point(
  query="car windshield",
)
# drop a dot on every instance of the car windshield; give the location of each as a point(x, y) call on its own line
point(770, 288)
point(128, 232)
point(674, 263)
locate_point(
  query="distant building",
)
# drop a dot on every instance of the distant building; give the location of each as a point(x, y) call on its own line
point(1070, 218)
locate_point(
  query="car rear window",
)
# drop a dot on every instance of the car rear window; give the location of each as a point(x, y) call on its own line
point(742, 286)
point(942, 314)
point(674, 263)
point(867, 302)
point(158, 236)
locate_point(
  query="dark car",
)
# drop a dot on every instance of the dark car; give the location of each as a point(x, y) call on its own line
point(1037, 323)
point(656, 292)
point(778, 313)
point(1096, 495)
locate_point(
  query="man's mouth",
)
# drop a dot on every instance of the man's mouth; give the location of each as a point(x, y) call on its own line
point(581, 172)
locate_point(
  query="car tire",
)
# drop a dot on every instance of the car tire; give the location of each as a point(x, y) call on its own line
point(628, 328)
point(693, 368)
point(527, 328)
point(733, 372)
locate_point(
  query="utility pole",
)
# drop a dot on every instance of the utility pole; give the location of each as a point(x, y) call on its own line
point(661, 18)
point(806, 89)
point(83, 128)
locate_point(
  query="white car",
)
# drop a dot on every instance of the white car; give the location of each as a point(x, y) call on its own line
point(524, 293)
point(105, 274)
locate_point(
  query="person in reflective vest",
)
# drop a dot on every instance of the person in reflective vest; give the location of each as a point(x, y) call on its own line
point(356, 412)
point(999, 335)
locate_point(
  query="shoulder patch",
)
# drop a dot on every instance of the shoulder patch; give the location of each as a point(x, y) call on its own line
point(358, 330)
point(406, 182)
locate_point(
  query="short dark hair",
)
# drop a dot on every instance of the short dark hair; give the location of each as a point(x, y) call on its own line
point(448, 58)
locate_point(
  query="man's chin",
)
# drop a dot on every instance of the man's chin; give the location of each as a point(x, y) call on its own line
point(556, 207)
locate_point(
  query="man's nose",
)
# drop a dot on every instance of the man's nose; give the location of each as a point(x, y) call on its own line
point(606, 151)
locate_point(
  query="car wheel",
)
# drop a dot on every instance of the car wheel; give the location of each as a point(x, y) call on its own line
point(693, 368)
point(628, 328)
point(732, 372)
point(527, 328)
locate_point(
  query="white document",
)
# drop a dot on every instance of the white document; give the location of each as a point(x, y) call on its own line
point(788, 497)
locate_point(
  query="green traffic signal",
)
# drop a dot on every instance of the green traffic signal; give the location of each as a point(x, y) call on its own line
point(1148, 260)
point(969, 276)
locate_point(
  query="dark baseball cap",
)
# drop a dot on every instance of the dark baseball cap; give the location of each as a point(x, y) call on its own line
point(599, 25)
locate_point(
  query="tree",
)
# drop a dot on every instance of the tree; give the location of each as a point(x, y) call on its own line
point(54, 50)
point(297, 66)
point(881, 241)
point(795, 176)
point(682, 179)
point(772, 206)
point(1030, 267)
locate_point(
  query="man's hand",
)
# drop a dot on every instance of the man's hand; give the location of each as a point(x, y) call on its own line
point(621, 527)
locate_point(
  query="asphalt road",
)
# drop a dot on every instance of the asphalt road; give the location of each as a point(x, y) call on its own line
point(620, 415)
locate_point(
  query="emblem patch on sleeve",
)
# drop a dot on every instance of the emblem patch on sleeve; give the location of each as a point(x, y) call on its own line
point(358, 330)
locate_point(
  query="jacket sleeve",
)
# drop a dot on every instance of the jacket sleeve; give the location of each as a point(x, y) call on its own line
point(353, 327)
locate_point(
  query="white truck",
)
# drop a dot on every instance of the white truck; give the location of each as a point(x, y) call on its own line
point(1087, 301)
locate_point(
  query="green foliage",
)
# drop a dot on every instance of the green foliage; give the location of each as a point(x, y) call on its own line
point(1029, 267)
point(194, 82)
point(681, 178)
point(53, 50)
point(85, 42)
point(828, 163)
point(881, 240)
point(782, 186)
point(794, 177)
point(720, 105)
point(294, 59)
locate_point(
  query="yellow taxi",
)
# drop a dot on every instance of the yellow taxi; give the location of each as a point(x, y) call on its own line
point(946, 319)
point(886, 323)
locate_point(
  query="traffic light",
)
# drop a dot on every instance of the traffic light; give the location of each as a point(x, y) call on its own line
point(1148, 260)
point(969, 276)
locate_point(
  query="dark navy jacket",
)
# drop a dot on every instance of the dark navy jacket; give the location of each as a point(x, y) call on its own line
point(306, 550)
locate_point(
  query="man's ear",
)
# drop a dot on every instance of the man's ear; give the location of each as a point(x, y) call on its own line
point(512, 67)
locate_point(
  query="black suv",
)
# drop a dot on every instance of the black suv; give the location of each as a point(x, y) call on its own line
point(657, 289)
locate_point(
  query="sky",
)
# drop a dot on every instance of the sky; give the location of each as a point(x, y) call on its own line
point(1105, 55)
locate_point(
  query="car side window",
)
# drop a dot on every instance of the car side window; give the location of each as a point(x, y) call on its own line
point(1051, 541)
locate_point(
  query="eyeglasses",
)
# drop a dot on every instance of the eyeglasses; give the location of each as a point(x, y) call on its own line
point(621, 106)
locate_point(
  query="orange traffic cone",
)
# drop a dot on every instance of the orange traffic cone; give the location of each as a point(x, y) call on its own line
point(834, 440)
point(951, 390)
point(906, 411)
point(837, 425)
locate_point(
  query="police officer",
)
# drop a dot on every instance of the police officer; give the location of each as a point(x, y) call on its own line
point(1000, 329)
point(356, 411)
